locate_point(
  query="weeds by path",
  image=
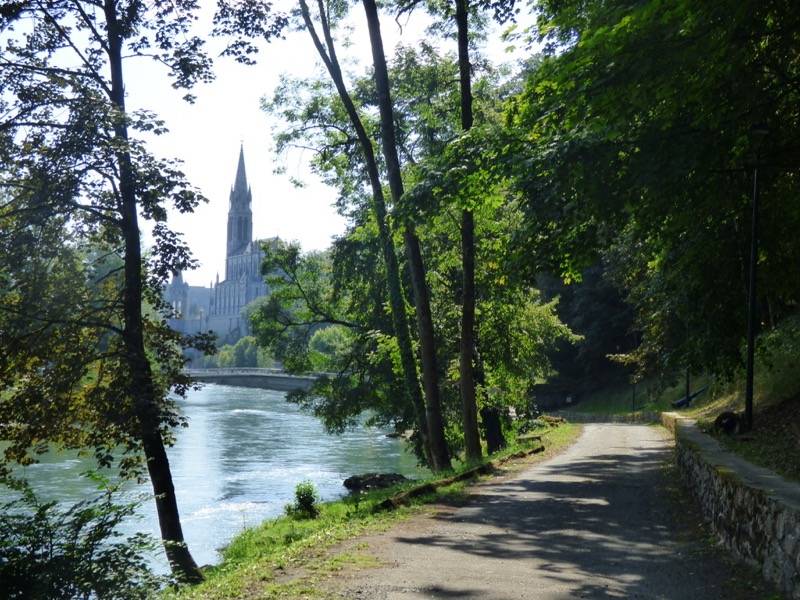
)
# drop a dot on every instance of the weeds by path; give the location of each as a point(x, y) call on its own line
point(287, 558)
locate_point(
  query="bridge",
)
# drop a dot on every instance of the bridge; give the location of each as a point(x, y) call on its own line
point(268, 379)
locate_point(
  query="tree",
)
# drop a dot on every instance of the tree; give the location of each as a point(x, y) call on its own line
point(431, 431)
point(517, 332)
point(469, 405)
point(343, 291)
point(631, 143)
point(503, 10)
point(73, 169)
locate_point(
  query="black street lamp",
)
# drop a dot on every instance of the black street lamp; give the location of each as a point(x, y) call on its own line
point(757, 133)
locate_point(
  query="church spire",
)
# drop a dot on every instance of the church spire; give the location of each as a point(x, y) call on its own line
point(240, 217)
point(240, 186)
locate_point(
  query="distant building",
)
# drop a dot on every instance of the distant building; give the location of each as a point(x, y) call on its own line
point(218, 308)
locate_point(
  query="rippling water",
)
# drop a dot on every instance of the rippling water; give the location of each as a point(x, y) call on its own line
point(238, 463)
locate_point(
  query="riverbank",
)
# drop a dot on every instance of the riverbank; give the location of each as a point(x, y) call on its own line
point(235, 465)
point(288, 558)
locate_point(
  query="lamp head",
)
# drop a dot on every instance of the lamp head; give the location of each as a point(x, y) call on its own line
point(759, 132)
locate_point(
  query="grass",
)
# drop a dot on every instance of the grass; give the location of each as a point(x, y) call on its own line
point(650, 396)
point(774, 442)
point(287, 558)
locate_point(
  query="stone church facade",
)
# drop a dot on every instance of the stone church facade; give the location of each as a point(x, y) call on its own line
point(219, 307)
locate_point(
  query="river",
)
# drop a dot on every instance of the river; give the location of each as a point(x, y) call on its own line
point(237, 463)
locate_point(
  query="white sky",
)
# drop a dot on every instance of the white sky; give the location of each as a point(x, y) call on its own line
point(206, 135)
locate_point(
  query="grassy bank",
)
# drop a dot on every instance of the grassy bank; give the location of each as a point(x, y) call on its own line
point(286, 558)
point(652, 395)
point(774, 441)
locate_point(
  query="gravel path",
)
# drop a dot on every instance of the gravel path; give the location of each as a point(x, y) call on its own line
point(593, 522)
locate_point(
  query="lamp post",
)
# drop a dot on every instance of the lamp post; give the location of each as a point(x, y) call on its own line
point(757, 133)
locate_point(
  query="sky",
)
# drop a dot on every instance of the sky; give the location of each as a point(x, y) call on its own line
point(207, 135)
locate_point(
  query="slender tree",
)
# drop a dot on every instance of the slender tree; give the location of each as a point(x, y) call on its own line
point(469, 405)
point(71, 161)
point(439, 459)
point(430, 372)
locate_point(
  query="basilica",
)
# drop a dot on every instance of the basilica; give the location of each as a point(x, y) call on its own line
point(220, 307)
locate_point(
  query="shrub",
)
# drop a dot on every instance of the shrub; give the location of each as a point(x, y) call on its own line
point(53, 553)
point(306, 501)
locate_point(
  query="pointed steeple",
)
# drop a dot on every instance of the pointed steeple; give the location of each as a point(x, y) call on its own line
point(240, 217)
point(240, 185)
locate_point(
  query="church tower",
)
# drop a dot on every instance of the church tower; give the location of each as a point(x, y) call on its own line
point(240, 217)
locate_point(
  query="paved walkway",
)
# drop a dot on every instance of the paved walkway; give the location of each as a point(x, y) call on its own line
point(593, 522)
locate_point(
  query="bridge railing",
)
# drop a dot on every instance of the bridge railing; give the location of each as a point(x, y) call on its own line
point(252, 371)
point(235, 371)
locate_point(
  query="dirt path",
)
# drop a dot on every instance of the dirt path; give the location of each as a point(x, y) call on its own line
point(594, 522)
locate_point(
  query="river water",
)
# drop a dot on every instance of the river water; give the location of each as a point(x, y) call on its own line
point(238, 463)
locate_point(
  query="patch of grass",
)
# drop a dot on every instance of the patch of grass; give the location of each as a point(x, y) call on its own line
point(774, 442)
point(652, 395)
point(344, 560)
point(286, 557)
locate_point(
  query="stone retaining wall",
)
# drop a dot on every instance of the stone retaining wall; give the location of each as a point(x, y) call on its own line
point(754, 512)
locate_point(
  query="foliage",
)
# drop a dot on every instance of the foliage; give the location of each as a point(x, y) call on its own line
point(631, 142)
point(48, 552)
point(339, 295)
point(244, 353)
point(593, 308)
point(76, 172)
point(328, 347)
point(306, 501)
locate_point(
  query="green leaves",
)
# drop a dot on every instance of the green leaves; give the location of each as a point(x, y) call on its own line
point(52, 552)
point(634, 147)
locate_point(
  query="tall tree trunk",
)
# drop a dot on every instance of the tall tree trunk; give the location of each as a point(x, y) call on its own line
point(142, 387)
point(490, 415)
point(469, 406)
point(327, 52)
point(430, 373)
point(440, 453)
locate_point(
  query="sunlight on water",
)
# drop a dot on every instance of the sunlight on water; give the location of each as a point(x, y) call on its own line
point(238, 463)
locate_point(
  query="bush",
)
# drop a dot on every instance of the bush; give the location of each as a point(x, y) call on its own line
point(306, 501)
point(53, 553)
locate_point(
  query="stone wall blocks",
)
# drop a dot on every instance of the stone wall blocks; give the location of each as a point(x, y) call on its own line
point(746, 513)
point(790, 543)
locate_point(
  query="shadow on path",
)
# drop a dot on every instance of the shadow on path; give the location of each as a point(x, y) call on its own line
point(584, 525)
